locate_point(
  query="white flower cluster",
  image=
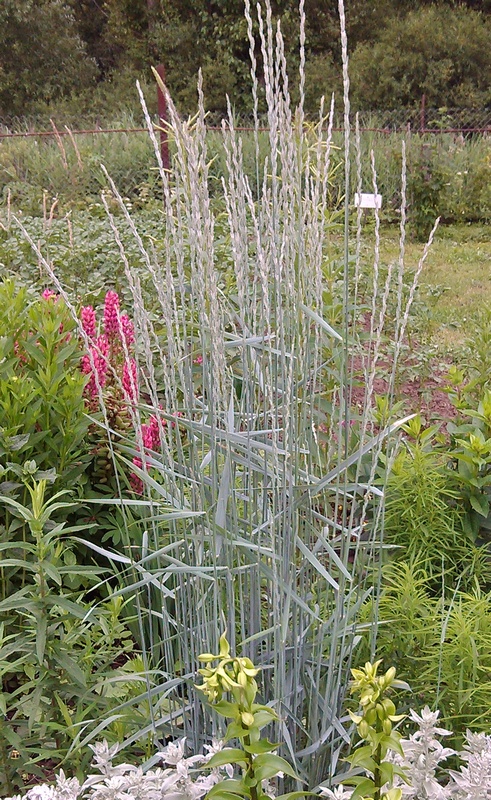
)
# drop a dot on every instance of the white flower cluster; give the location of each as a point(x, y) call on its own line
point(179, 780)
point(424, 755)
point(473, 782)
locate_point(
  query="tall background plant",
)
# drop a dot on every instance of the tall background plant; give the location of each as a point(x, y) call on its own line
point(266, 448)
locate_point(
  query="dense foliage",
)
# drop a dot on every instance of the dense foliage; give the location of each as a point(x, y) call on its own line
point(55, 49)
point(231, 456)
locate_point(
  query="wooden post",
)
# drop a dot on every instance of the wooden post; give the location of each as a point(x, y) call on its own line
point(162, 111)
point(422, 114)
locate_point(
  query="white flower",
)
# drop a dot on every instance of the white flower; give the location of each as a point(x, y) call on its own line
point(103, 755)
point(473, 782)
point(113, 788)
point(216, 746)
point(200, 787)
point(66, 788)
point(173, 753)
point(423, 754)
point(426, 721)
point(42, 792)
point(338, 793)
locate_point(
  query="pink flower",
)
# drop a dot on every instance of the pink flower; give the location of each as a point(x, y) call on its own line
point(87, 317)
point(111, 314)
point(147, 436)
point(130, 385)
point(127, 329)
point(153, 424)
point(48, 294)
point(176, 414)
point(136, 482)
point(96, 360)
point(198, 360)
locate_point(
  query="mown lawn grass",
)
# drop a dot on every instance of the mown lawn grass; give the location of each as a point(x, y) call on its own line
point(455, 281)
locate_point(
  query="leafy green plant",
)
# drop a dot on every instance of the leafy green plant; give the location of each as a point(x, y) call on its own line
point(440, 642)
point(423, 515)
point(375, 725)
point(469, 458)
point(50, 665)
point(426, 181)
point(235, 676)
point(42, 408)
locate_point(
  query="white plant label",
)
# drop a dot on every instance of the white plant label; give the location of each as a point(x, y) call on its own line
point(363, 200)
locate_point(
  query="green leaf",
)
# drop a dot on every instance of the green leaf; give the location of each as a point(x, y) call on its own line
point(262, 746)
point(267, 765)
point(17, 600)
point(263, 718)
point(42, 622)
point(480, 504)
point(364, 788)
point(220, 795)
point(358, 757)
point(70, 607)
point(387, 772)
point(71, 667)
point(229, 755)
point(394, 744)
point(51, 571)
point(64, 710)
point(234, 731)
point(228, 785)
point(226, 709)
point(295, 795)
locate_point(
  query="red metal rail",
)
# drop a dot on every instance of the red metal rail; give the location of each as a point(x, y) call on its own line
point(96, 131)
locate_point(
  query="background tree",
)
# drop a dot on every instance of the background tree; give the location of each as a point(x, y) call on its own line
point(444, 55)
point(95, 50)
point(42, 54)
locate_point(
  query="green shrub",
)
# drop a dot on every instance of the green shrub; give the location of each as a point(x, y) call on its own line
point(42, 408)
point(450, 67)
point(442, 646)
point(423, 515)
point(56, 650)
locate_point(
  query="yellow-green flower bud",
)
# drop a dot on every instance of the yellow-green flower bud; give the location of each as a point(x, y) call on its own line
point(224, 646)
point(206, 657)
point(390, 675)
point(389, 706)
point(242, 679)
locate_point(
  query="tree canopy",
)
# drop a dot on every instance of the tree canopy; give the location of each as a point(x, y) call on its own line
point(54, 49)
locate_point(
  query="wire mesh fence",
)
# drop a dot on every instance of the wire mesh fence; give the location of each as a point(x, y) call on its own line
point(420, 119)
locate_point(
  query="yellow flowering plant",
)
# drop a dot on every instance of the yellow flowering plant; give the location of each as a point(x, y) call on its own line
point(235, 677)
point(375, 722)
